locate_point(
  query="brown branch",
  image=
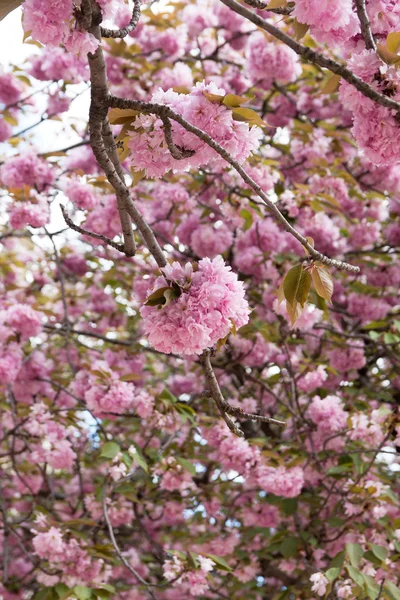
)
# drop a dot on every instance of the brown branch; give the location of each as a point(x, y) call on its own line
point(216, 393)
point(117, 548)
point(314, 57)
point(123, 32)
point(176, 151)
point(259, 5)
point(365, 25)
point(164, 111)
point(83, 231)
point(223, 406)
point(107, 157)
point(126, 223)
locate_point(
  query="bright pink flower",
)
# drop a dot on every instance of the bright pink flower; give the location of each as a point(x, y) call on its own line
point(270, 61)
point(149, 150)
point(211, 303)
point(24, 320)
point(26, 169)
point(29, 213)
point(10, 362)
point(323, 14)
point(328, 413)
point(10, 88)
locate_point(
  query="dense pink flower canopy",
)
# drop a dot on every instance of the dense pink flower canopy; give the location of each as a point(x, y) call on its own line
point(199, 309)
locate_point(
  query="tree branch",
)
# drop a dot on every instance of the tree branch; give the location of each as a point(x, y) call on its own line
point(164, 111)
point(117, 548)
point(365, 25)
point(314, 57)
point(259, 5)
point(108, 158)
point(224, 407)
point(121, 33)
point(83, 231)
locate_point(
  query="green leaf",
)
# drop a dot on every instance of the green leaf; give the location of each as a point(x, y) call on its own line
point(82, 592)
point(392, 590)
point(187, 465)
point(291, 283)
point(289, 546)
point(354, 553)
point(233, 101)
point(355, 575)
point(61, 589)
point(332, 573)
point(289, 506)
point(372, 587)
point(379, 551)
point(167, 395)
point(157, 297)
point(220, 562)
point(332, 85)
point(304, 288)
point(393, 41)
point(119, 116)
point(214, 98)
point(249, 116)
point(110, 450)
point(338, 560)
point(100, 593)
point(140, 460)
point(300, 29)
point(322, 281)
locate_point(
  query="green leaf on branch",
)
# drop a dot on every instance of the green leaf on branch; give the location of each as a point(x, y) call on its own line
point(249, 116)
point(356, 576)
point(82, 592)
point(233, 101)
point(110, 450)
point(354, 553)
point(393, 41)
point(289, 546)
point(119, 116)
point(214, 98)
point(187, 465)
point(291, 283)
point(304, 288)
point(332, 573)
point(220, 562)
point(162, 297)
point(300, 29)
point(392, 590)
point(322, 281)
point(379, 551)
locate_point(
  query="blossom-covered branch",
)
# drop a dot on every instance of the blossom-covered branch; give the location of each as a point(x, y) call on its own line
point(315, 57)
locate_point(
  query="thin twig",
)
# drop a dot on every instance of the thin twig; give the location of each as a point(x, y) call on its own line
point(223, 406)
point(176, 151)
point(314, 57)
point(165, 111)
point(97, 236)
point(216, 393)
point(365, 25)
point(259, 5)
point(117, 548)
point(123, 32)
point(107, 157)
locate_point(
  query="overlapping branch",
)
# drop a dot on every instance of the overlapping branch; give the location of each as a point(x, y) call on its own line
point(124, 31)
point(365, 25)
point(314, 57)
point(226, 410)
point(166, 112)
